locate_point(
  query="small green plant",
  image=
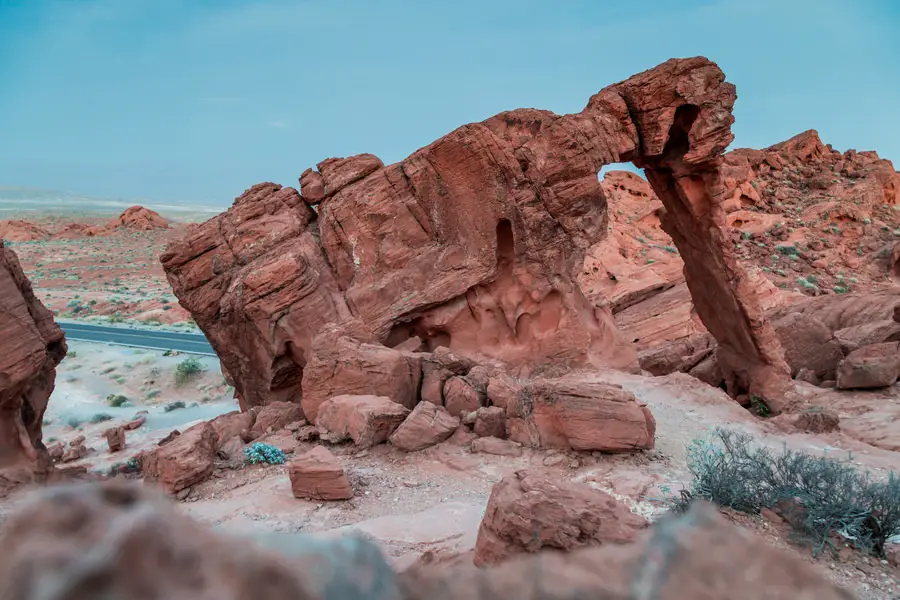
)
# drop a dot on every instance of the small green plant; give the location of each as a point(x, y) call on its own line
point(258, 453)
point(73, 422)
point(117, 400)
point(101, 418)
point(759, 406)
point(174, 405)
point(187, 370)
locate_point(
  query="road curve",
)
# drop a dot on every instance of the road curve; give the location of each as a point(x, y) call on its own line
point(195, 343)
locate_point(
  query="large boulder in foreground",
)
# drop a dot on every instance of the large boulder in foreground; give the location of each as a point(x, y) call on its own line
point(472, 242)
point(529, 512)
point(122, 540)
point(695, 556)
point(31, 346)
point(113, 526)
point(579, 414)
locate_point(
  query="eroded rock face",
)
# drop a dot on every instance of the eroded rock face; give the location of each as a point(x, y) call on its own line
point(31, 346)
point(528, 512)
point(473, 242)
point(874, 366)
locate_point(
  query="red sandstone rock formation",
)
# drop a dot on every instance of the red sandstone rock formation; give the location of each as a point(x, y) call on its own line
point(425, 426)
point(528, 512)
point(579, 414)
point(473, 241)
point(367, 420)
point(31, 346)
point(22, 231)
point(318, 475)
point(138, 218)
point(184, 461)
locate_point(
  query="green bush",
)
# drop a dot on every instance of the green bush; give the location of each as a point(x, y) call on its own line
point(117, 400)
point(259, 452)
point(187, 370)
point(832, 497)
point(174, 405)
point(101, 417)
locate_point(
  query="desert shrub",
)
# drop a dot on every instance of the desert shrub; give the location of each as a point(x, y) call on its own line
point(174, 405)
point(831, 497)
point(117, 400)
point(101, 417)
point(73, 422)
point(187, 370)
point(259, 452)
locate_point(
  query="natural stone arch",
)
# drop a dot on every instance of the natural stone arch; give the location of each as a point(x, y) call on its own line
point(474, 241)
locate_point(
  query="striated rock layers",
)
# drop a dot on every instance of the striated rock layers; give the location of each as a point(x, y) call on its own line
point(473, 242)
point(32, 346)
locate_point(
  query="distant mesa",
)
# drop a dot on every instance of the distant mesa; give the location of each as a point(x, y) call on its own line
point(139, 218)
point(22, 231)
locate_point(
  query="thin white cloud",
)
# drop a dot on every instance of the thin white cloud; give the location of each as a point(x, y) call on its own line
point(279, 124)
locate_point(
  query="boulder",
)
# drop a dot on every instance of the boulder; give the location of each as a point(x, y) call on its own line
point(460, 397)
point(471, 243)
point(528, 512)
point(139, 218)
point(496, 446)
point(318, 475)
point(876, 332)
point(184, 461)
point(367, 420)
point(681, 355)
point(502, 389)
point(100, 541)
point(31, 346)
point(15, 230)
point(135, 423)
point(75, 451)
point(115, 438)
point(490, 421)
point(312, 187)
point(273, 416)
point(874, 366)
point(340, 365)
point(433, 378)
point(579, 414)
point(231, 424)
point(672, 561)
point(425, 426)
point(808, 344)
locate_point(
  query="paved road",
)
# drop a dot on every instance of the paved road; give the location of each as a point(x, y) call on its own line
point(139, 338)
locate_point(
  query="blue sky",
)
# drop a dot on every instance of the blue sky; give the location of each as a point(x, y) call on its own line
point(196, 100)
